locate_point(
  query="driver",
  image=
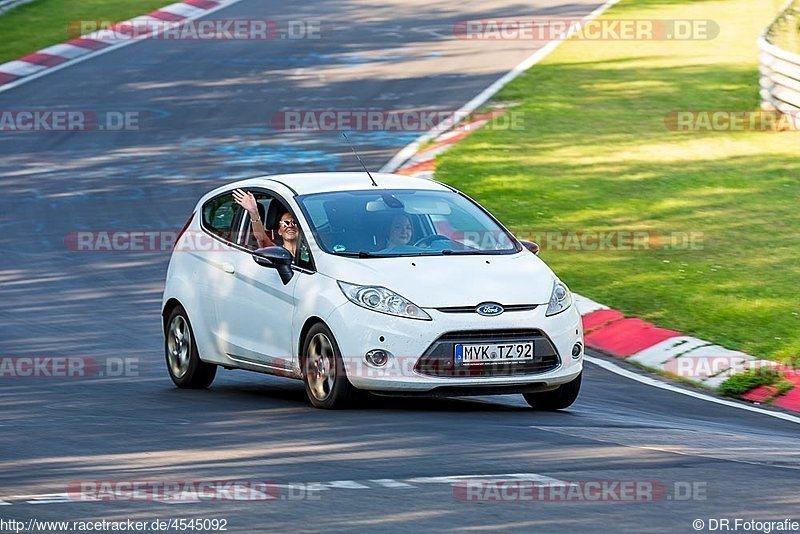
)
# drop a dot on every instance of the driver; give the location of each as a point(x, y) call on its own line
point(400, 231)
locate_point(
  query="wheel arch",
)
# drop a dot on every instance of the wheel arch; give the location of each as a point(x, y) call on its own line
point(169, 306)
point(311, 321)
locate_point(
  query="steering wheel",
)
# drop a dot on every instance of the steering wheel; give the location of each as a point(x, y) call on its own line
point(428, 240)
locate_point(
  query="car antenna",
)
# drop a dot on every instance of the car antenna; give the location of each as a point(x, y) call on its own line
point(359, 159)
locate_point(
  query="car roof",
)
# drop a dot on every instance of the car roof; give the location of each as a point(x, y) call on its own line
point(320, 182)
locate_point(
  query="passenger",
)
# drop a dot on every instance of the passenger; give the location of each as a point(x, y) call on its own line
point(287, 226)
point(289, 232)
point(400, 232)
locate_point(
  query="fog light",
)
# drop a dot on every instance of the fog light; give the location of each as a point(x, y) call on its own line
point(377, 357)
point(577, 350)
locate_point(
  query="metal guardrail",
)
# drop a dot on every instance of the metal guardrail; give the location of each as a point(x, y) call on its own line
point(5, 5)
point(780, 69)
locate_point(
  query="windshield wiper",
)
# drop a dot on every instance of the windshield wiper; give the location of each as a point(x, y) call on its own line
point(359, 254)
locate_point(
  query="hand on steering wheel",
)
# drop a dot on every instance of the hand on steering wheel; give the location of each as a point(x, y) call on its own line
point(428, 240)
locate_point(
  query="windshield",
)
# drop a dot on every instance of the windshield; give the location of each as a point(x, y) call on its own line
point(403, 222)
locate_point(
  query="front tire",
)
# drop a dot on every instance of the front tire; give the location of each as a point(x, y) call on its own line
point(558, 399)
point(324, 376)
point(184, 365)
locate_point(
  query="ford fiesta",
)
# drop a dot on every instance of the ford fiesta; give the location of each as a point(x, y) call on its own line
point(388, 284)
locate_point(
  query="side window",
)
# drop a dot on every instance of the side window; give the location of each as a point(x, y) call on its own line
point(220, 216)
point(269, 208)
point(263, 202)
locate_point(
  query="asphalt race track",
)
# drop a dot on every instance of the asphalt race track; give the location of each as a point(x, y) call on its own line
point(205, 110)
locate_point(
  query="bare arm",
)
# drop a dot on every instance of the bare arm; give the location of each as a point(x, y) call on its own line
point(248, 202)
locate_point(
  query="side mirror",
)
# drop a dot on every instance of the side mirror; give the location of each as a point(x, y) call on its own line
point(530, 245)
point(277, 257)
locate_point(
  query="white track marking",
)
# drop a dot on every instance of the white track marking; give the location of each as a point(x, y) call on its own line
point(535, 477)
point(391, 483)
point(342, 484)
point(50, 498)
point(96, 53)
point(7, 5)
point(386, 483)
point(412, 148)
point(650, 381)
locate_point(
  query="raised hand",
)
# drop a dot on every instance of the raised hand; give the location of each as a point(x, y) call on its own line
point(247, 201)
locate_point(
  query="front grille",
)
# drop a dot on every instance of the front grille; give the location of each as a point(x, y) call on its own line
point(472, 309)
point(439, 359)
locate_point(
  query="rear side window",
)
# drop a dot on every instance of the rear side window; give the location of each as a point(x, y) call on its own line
point(220, 215)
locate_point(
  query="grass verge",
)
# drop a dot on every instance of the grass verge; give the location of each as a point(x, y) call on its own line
point(595, 155)
point(42, 23)
point(741, 383)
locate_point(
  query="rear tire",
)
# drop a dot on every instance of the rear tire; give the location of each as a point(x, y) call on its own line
point(558, 399)
point(184, 365)
point(324, 375)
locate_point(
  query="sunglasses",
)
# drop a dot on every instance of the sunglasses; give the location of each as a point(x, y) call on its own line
point(288, 223)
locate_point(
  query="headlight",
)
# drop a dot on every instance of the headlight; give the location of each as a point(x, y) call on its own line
point(382, 300)
point(560, 299)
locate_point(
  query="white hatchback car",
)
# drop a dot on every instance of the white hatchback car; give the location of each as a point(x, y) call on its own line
point(404, 287)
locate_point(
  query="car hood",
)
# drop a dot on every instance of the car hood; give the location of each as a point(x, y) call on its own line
point(444, 281)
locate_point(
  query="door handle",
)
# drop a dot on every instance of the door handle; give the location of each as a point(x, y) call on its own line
point(228, 268)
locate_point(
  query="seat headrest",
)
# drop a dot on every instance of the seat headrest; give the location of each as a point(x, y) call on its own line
point(275, 211)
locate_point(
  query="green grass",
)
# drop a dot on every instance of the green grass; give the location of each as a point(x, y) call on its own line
point(595, 155)
point(784, 386)
point(33, 26)
point(741, 383)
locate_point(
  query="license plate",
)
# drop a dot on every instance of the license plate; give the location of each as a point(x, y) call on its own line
point(494, 354)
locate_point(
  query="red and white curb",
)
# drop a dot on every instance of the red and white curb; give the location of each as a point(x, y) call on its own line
point(422, 164)
point(37, 64)
point(649, 346)
point(610, 332)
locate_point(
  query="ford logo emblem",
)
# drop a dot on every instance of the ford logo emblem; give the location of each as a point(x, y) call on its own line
point(489, 309)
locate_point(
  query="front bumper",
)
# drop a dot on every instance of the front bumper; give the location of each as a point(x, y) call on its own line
point(358, 331)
